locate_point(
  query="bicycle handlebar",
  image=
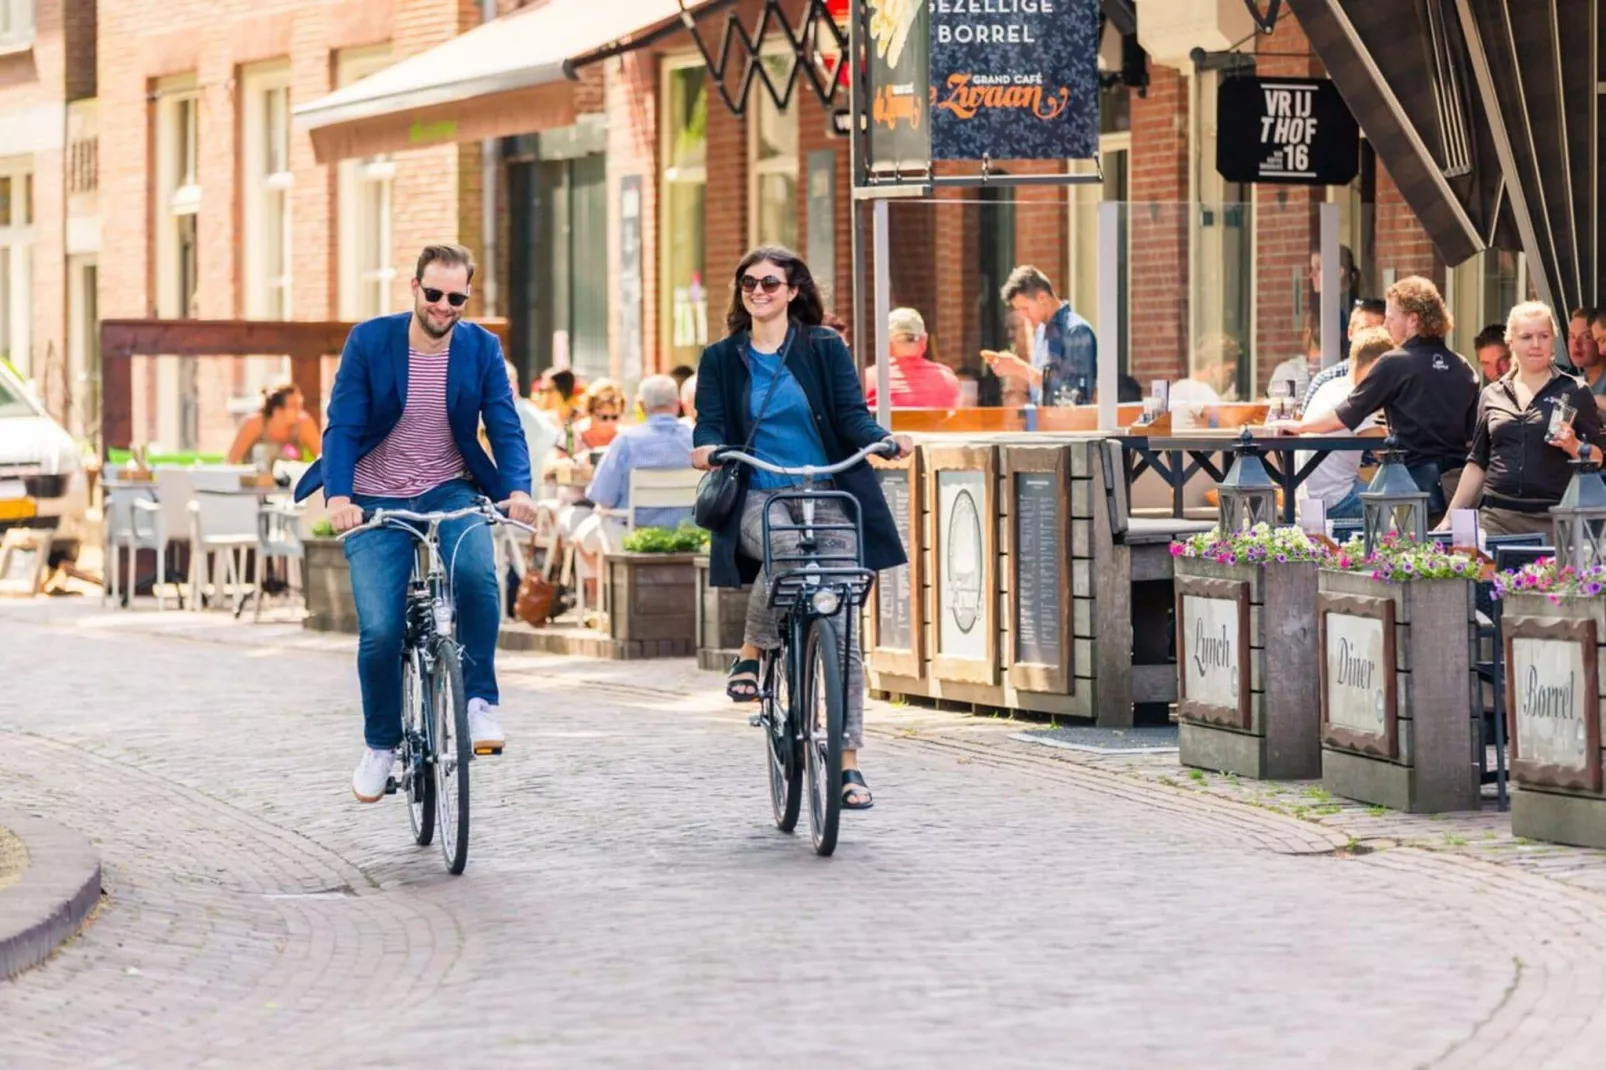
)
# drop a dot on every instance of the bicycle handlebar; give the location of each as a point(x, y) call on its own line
point(885, 448)
point(375, 518)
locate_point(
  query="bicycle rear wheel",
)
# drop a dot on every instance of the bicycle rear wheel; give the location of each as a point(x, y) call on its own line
point(453, 751)
point(780, 742)
point(418, 776)
point(822, 711)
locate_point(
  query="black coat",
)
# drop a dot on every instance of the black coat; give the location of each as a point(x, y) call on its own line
point(824, 369)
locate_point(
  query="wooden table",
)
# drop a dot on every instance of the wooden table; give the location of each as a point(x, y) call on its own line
point(1176, 459)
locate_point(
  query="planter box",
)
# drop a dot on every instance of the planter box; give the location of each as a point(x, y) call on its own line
point(1398, 716)
point(330, 607)
point(651, 597)
point(721, 618)
point(1247, 694)
point(1553, 713)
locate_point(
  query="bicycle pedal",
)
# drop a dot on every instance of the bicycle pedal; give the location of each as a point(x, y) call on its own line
point(486, 751)
point(391, 786)
point(756, 721)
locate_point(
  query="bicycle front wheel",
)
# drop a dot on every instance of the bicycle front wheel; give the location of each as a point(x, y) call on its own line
point(822, 700)
point(453, 751)
point(417, 770)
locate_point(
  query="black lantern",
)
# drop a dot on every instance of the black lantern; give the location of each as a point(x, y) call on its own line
point(1580, 516)
point(1247, 494)
point(1393, 504)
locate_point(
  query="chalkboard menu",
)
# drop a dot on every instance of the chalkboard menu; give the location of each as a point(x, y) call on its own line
point(894, 626)
point(1039, 614)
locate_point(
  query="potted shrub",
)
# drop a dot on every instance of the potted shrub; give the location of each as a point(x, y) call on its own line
point(1553, 620)
point(327, 576)
point(651, 589)
point(1398, 695)
point(1246, 625)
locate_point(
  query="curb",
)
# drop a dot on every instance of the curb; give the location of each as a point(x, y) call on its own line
point(58, 890)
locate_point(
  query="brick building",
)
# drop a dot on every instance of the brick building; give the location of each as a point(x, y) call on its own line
point(285, 158)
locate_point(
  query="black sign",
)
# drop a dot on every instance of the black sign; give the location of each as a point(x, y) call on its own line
point(900, 58)
point(1014, 79)
point(895, 629)
point(1290, 131)
point(1039, 617)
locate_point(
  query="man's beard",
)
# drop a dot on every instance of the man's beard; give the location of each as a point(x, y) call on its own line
point(429, 328)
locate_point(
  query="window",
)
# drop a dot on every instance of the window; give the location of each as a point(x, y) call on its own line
point(16, 23)
point(175, 213)
point(1087, 273)
point(16, 263)
point(367, 265)
point(266, 191)
point(772, 160)
point(684, 298)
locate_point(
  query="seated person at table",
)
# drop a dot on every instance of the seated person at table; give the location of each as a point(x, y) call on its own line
point(916, 381)
point(1368, 312)
point(661, 441)
point(1214, 375)
point(1298, 370)
point(281, 430)
point(605, 407)
point(1336, 481)
point(1517, 470)
point(1427, 392)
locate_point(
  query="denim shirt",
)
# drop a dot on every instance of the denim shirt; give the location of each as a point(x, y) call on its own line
point(662, 442)
point(1068, 355)
point(785, 433)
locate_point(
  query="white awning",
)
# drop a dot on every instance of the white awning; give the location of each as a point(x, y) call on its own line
point(512, 75)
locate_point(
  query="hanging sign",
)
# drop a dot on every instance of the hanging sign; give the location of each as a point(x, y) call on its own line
point(1288, 131)
point(900, 130)
point(1014, 79)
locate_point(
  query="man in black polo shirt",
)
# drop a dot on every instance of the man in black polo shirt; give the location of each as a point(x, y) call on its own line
point(1427, 392)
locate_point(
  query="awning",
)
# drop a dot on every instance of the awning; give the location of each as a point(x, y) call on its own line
point(513, 75)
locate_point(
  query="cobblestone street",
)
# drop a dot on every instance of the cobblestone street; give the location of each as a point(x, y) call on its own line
point(628, 902)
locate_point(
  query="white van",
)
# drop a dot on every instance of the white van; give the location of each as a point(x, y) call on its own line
point(42, 481)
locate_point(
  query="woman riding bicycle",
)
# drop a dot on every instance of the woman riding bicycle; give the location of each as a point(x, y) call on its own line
point(789, 384)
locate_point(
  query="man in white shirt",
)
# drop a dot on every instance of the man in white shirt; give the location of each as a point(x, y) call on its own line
point(1336, 480)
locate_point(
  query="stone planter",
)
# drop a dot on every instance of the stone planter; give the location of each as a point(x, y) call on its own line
point(721, 615)
point(652, 598)
point(330, 607)
point(1553, 712)
point(1247, 698)
point(1398, 716)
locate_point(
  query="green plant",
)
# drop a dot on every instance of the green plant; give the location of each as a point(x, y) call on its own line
point(1544, 577)
point(1196, 775)
point(1398, 560)
point(682, 540)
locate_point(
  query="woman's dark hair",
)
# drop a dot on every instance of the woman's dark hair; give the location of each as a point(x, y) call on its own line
point(277, 398)
point(806, 307)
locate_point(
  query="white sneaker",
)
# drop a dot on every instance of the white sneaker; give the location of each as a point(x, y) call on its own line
point(483, 727)
point(373, 773)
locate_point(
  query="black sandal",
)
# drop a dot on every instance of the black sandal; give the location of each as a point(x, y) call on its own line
point(853, 785)
point(741, 684)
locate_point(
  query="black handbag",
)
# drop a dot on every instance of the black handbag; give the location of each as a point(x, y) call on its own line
point(722, 488)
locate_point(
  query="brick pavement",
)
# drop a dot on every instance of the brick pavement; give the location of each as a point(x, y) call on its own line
point(628, 904)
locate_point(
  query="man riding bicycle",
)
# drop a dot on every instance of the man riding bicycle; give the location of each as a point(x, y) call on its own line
point(403, 433)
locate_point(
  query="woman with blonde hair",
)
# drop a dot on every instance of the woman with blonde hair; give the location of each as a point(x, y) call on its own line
point(604, 408)
point(1529, 426)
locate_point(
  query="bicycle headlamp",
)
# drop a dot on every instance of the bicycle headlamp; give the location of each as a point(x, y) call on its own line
point(825, 602)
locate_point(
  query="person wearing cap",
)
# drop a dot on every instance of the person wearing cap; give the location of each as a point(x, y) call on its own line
point(916, 381)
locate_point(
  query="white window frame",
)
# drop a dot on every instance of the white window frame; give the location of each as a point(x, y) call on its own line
point(16, 25)
point(16, 266)
point(265, 87)
point(758, 101)
point(175, 203)
point(364, 292)
point(668, 67)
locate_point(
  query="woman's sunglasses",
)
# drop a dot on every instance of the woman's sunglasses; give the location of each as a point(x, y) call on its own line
point(456, 300)
point(608, 416)
point(769, 284)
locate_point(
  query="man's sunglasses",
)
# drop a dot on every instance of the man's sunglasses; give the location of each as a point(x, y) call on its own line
point(769, 284)
point(456, 300)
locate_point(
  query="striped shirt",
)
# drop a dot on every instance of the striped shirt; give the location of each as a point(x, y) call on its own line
point(419, 454)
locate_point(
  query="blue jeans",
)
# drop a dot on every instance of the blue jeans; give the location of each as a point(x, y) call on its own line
point(381, 566)
point(1349, 506)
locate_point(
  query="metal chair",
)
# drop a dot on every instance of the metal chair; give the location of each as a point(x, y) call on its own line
point(222, 522)
point(278, 539)
point(128, 509)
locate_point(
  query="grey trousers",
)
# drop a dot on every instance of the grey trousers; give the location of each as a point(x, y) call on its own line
point(763, 620)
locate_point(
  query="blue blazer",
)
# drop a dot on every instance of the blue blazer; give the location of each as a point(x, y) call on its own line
point(371, 390)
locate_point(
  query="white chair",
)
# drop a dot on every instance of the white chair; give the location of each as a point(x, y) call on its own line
point(129, 510)
point(174, 491)
point(653, 488)
point(278, 539)
point(222, 522)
